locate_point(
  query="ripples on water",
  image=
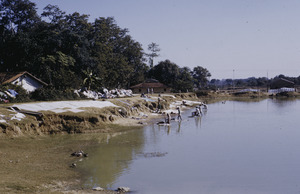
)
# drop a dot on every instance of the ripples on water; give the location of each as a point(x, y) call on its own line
point(236, 147)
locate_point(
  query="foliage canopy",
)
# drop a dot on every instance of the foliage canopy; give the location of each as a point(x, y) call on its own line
point(67, 51)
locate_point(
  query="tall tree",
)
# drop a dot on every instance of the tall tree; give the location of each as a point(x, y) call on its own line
point(166, 72)
point(154, 49)
point(201, 76)
point(170, 74)
point(17, 45)
point(54, 14)
point(57, 70)
point(18, 15)
point(59, 47)
point(185, 81)
point(117, 56)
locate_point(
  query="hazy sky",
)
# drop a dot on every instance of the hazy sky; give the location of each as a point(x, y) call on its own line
point(231, 38)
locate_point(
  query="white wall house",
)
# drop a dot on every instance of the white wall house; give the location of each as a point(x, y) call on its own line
point(24, 79)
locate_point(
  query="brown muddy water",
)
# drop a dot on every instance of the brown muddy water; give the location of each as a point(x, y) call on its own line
point(235, 147)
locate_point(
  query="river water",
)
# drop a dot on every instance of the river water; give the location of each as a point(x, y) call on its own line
point(235, 147)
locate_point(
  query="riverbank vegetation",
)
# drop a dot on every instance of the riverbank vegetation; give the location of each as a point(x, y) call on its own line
point(67, 51)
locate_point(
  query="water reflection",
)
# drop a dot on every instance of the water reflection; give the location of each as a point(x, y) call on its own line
point(110, 159)
point(284, 102)
point(198, 122)
point(179, 125)
point(175, 125)
point(242, 147)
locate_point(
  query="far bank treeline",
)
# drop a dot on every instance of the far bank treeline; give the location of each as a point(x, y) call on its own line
point(67, 51)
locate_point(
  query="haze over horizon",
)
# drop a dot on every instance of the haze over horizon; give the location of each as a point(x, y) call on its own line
point(232, 39)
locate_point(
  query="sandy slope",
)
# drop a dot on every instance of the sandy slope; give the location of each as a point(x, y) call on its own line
point(64, 106)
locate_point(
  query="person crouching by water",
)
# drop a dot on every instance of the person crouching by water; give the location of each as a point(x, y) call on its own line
point(168, 119)
point(198, 112)
point(179, 114)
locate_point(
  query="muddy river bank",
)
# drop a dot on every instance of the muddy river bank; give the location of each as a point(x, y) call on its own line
point(44, 163)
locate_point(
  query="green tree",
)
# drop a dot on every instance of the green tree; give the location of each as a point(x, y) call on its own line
point(262, 81)
point(17, 46)
point(170, 74)
point(185, 81)
point(252, 81)
point(239, 82)
point(54, 14)
point(18, 15)
point(57, 70)
point(200, 76)
point(154, 49)
point(117, 56)
point(55, 45)
point(166, 72)
point(91, 80)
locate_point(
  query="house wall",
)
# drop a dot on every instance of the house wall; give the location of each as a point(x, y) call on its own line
point(27, 83)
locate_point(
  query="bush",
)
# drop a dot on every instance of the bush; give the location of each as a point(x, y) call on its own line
point(201, 93)
point(49, 94)
point(22, 96)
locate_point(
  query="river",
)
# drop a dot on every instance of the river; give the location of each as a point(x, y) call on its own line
point(235, 147)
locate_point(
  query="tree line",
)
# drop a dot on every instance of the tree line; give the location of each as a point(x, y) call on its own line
point(69, 52)
point(250, 82)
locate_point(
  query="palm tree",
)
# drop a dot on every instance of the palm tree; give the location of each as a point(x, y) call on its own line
point(91, 79)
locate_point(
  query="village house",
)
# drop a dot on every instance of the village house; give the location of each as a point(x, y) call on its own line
point(150, 86)
point(24, 79)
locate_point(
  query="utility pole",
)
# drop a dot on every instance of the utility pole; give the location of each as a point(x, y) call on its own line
point(267, 81)
point(233, 80)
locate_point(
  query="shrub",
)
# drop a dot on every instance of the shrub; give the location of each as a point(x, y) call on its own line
point(22, 96)
point(201, 93)
point(49, 94)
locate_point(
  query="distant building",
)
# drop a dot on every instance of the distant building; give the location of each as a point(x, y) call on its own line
point(24, 79)
point(150, 86)
point(282, 83)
